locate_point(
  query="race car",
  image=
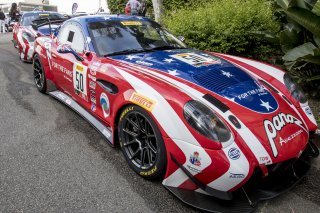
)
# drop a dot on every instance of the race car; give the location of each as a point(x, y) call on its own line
point(24, 34)
point(221, 132)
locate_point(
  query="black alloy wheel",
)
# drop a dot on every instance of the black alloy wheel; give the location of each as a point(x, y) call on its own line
point(141, 143)
point(39, 74)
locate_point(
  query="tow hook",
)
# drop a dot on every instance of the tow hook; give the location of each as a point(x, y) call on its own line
point(313, 144)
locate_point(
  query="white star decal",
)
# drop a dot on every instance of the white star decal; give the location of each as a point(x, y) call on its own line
point(173, 72)
point(168, 60)
point(130, 57)
point(266, 105)
point(227, 74)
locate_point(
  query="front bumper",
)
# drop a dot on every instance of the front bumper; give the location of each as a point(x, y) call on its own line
point(282, 177)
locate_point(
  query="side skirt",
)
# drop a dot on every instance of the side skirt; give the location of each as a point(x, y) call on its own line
point(67, 100)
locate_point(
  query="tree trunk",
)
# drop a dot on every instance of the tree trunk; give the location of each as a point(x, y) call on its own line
point(157, 7)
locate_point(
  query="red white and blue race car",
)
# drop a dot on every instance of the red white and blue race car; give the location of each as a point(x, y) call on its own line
point(222, 132)
point(32, 25)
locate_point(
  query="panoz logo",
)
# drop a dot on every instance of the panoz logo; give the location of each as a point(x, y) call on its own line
point(143, 101)
point(237, 176)
point(273, 127)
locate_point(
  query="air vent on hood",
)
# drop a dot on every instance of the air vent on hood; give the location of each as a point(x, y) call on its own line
point(217, 80)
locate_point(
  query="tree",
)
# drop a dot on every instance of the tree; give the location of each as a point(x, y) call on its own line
point(157, 7)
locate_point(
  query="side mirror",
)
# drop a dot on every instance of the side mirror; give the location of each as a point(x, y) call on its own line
point(181, 38)
point(65, 48)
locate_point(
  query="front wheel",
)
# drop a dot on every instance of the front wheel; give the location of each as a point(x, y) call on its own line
point(141, 143)
point(39, 74)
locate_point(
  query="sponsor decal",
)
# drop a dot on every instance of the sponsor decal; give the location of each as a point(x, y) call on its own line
point(92, 84)
point(308, 110)
point(234, 153)
point(106, 133)
point(259, 91)
point(150, 172)
point(93, 107)
point(191, 168)
point(131, 23)
point(195, 159)
point(80, 80)
point(93, 70)
point(196, 60)
point(144, 63)
point(93, 98)
point(68, 101)
point(62, 69)
point(273, 127)
point(286, 140)
point(237, 176)
point(105, 105)
point(143, 101)
point(96, 63)
point(92, 77)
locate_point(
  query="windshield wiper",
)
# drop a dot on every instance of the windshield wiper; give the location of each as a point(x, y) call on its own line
point(166, 47)
point(128, 51)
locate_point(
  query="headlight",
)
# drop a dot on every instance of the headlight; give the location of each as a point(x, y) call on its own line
point(294, 89)
point(28, 37)
point(206, 122)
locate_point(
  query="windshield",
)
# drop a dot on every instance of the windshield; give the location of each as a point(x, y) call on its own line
point(113, 37)
point(28, 18)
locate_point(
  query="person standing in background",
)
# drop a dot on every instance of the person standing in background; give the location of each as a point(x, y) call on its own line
point(2, 22)
point(14, 12)
point(143, 8)
point(134, 7)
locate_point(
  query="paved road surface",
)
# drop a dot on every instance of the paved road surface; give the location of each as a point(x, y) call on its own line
point(51, 160)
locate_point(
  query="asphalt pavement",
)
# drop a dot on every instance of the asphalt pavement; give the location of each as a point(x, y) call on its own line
point(52, 160)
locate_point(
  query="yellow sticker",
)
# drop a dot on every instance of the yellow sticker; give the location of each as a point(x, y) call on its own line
point(131, 23)
point(79, 68)
point(143, 101)
point(44, 14)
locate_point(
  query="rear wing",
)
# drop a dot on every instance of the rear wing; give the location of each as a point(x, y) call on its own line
point(36, 24)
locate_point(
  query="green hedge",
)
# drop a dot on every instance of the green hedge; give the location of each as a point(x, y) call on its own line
point(226, 26)
point(171, 5)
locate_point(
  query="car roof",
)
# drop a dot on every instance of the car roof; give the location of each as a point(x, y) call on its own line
point(38, 12)
point(95, 18)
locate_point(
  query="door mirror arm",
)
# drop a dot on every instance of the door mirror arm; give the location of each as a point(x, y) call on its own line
point(65, 48)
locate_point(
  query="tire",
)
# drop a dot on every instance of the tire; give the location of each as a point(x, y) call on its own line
point(142, 143)
point(39, 75)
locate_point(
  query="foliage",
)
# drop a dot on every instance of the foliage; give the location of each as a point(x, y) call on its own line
point(226, 26)
point(179, 4)
point(300, 41)
point(117, 6)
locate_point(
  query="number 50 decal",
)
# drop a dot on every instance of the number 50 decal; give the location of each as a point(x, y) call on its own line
point(80, 78)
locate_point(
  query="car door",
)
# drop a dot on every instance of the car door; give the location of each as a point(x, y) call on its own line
point(71, 73)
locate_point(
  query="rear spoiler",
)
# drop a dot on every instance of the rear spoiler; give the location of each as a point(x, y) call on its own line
point(46, 21)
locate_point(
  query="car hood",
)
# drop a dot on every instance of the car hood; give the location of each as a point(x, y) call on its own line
point(210, 72)
point(276, 125)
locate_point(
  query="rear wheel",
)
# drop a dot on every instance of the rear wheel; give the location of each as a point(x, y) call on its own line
point(141, 143)
point(39, 74)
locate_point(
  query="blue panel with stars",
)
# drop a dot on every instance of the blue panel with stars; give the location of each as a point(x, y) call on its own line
point(210, 72)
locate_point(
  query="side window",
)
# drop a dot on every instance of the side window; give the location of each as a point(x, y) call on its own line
point(71, 34)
